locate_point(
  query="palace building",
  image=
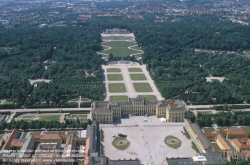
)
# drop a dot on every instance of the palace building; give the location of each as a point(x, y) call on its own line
point(107, 111)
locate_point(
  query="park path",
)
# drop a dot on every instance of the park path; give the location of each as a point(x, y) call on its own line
point(10, 117)
point(2, 102)
point(135, 54)
point(105, 48)
point(79, 102)
point(151, 155)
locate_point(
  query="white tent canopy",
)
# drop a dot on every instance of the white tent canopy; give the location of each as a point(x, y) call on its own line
point(163, 120)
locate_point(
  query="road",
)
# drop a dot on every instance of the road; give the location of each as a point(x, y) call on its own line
point(210, 106)
point(44, 109)
point(10, 117)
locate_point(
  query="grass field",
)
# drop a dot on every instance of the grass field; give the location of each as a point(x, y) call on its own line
point(83, 116)
point(208, 130)
point(79, 115)
point(24, 135)
point(27, 117)
point(83, 119)
point(120, 143)
point(215, 145)
point(119, 98)
point(119, 48)
point(8, 102)
point(73, 132)
point(85, 99)
point(246, 127)
point(172, 142)
point(138, 77)
point(135, 70)
point(142, 87)
point(148, 97)
point(113, 70)
point(50, 118)
point(35, 133)
point(77, 99)
point(116, 87)
point(115, 77)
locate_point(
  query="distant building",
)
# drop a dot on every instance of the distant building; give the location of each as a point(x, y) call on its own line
point(209, 158)
point(107, 111)
point(51, 148)
point(198, 135)
point(43, 25)
point(232, 133)
point(116, 31)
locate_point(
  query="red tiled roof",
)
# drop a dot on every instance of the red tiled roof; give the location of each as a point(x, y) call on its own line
point(50, 137)
point(223, 142)
point(13, 135)
point(237, 132)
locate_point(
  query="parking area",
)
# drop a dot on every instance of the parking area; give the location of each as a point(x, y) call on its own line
point(146, 140)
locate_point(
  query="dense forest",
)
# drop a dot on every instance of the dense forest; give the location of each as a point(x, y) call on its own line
point(169, 52)
point(76, 69)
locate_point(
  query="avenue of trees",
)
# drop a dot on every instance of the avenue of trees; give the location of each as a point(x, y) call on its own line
point(221, 119)
point(37, 124)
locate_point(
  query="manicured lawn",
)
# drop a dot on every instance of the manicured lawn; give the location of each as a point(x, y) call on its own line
point(24, 135)
point(113, 70)
point(134, 69)
point(72, 132)
point(50, 118)
point(222, 128)
point(83, 116)
point(83, 119)
point(142, 87)
point(138, 77)
point(116, 87)
point(206, 112)
point(215, 145)
point(35, 133)
point(8, 102)
point(120, 143)
point(119, 48)
point(148, 97)
point(119, 98)
point(172, 142)
point(76, 99)
point(27, 117)
point(246, 127)
point(208, 130)
point(85, 99)
point(115, 77)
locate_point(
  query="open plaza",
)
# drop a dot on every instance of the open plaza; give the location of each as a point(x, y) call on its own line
point(146, 140)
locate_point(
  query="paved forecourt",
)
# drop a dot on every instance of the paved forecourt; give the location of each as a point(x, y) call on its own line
point(146, 140)
point(123, 68)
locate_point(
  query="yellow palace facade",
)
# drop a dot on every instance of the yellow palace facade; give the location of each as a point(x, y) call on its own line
point(106, 111)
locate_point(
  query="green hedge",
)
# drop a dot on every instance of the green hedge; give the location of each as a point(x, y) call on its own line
point(195, 147)
point(7, 106)
point(68, 105)
point(85, 105)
